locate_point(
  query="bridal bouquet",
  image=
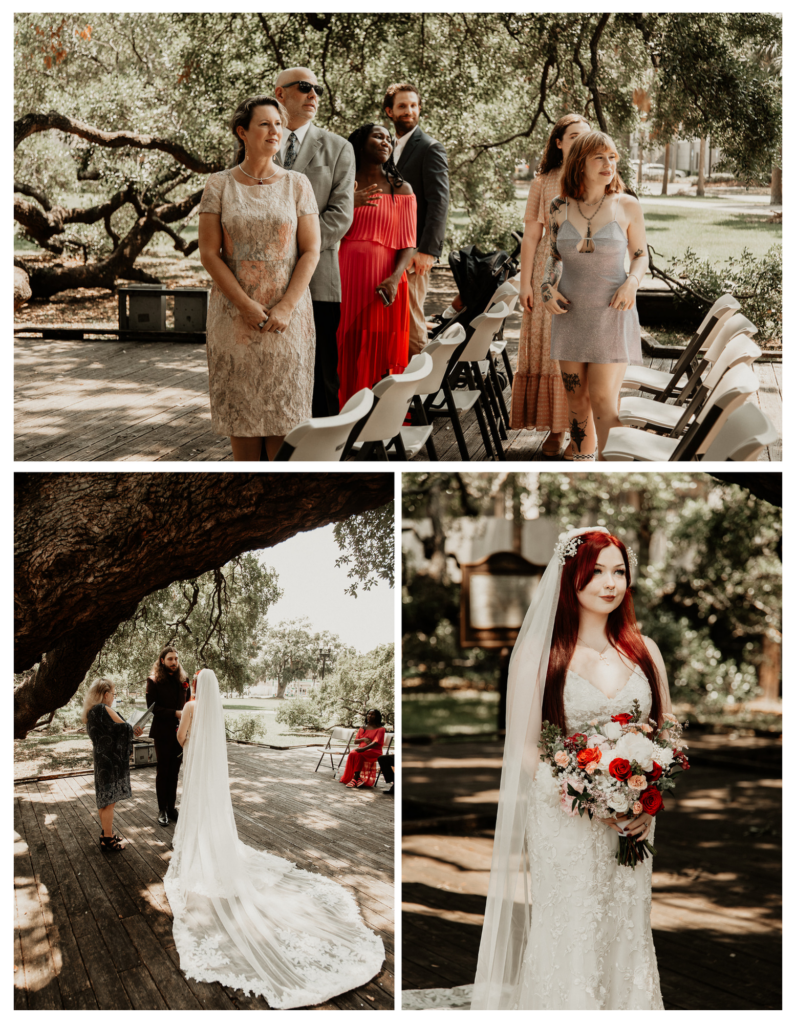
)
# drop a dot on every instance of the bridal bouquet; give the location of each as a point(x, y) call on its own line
point(621, 766)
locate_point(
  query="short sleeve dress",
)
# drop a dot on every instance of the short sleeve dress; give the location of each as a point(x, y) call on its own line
point(113, 745)
point(260, 384)
point(538, 398)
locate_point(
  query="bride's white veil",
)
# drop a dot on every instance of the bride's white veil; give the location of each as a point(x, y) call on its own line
point(507, 917)
point(244, 916)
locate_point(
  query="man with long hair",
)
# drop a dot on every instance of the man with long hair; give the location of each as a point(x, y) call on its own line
point(167, 688)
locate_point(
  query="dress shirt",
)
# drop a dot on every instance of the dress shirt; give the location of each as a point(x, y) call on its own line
point(299, 133)
point(399, 145)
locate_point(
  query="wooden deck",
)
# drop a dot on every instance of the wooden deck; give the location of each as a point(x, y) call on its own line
point(93, 931)
point(716, 899)
point(148, 402)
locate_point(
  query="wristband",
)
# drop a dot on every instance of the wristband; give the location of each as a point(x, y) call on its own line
point(637, 280)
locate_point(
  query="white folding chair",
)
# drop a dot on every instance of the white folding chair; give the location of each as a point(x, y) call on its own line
point(743, 437)
point(508, 292)
point(648, 414)
point(441, 351)
point(626, 444)
point(663, 384)
point(337, 735)
point(485, 327)
point(393, 395)
point(324, 439)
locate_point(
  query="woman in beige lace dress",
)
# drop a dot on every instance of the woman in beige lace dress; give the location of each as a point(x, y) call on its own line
point(259, 239)
point(538, 399)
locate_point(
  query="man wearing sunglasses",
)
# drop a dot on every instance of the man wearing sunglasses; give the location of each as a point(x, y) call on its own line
point(328, 161)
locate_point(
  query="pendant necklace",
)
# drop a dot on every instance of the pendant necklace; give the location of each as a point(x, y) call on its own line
point(259, 181)
point(600, 654)
point(587, 244)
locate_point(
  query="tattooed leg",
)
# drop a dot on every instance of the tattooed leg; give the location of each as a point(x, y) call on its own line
point(577, 431)
point(571, 381)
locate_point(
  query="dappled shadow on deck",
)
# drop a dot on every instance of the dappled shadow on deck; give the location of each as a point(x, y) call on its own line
point(93, 931)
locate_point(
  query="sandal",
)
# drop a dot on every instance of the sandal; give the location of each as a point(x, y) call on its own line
point(581, 457)
point(111, 843)
point(352, 784)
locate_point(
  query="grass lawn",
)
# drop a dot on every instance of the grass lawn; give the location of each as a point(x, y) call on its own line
point(465, 712)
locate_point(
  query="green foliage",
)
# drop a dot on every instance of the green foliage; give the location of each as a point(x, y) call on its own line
point(247, 728)
point(359, 683)
point(217, 620)
point(755, 282)
point(708, 588)
point(291, 651)
point(368, 545)
point(491, 84)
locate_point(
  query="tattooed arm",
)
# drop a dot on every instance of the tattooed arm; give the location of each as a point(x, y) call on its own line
point(553, 299)
point(624, 297)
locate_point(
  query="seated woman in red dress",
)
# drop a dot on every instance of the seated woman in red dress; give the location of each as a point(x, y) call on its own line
point(361, 767)
point(373, 337)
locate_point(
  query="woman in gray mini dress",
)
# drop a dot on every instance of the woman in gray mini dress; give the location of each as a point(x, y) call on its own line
point(112, 739)
point(592, 298)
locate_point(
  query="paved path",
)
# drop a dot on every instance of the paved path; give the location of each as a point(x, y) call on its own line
point(716, 902)
point(94, 931)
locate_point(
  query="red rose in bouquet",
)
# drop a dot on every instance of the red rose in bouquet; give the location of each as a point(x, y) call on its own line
point(655, 774)
point(591, 755)
point(579, 738)
point(620, 769)
point(622, 719)
point(651, 800)
point(683, 760)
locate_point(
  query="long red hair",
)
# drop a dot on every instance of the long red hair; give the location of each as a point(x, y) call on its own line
point(622, 628)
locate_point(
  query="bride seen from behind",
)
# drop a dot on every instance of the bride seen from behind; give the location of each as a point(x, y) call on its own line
point(586, 942)
point(245, 917)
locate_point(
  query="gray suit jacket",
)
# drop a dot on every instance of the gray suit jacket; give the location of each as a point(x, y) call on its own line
point(328, 161)
point(424, 164)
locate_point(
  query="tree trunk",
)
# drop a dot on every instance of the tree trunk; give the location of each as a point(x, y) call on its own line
point(90, 546)
point(776, 186)
point(640, 175)
point(665, 182)
point(768, 673)
point(700, 191)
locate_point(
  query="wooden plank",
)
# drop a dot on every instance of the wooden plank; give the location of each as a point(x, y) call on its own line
point(173, 988)
point(105, 903)
point(73, 981)
point(141, 989)
point(38, 969)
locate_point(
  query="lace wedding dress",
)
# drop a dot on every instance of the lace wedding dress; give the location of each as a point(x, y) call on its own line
point(590, 945)
point(247, 918)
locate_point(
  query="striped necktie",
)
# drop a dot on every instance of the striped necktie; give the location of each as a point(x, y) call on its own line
point(292, 149)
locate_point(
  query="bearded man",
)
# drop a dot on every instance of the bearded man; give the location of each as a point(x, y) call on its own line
point(167, 688)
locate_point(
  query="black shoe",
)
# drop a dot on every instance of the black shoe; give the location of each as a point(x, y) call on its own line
point(173, 814)
point(389, 792)
point(163, 818)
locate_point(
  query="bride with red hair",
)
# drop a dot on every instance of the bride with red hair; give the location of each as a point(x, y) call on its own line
point(580, 659)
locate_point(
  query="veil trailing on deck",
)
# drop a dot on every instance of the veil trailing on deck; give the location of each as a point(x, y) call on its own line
point(242, 916)
point(507, 919)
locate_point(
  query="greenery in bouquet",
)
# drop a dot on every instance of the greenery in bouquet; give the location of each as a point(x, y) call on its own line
point(616, 769)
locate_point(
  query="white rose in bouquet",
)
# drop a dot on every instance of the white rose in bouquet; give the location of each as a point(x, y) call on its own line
point(635, 747)
point(619, 801)
point(612, 731)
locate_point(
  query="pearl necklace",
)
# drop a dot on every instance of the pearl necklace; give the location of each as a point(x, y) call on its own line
point(259, 181)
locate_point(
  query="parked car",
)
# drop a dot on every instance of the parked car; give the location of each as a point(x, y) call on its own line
point(655, 172)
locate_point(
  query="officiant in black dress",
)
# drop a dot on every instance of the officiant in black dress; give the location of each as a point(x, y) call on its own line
point(167, 688)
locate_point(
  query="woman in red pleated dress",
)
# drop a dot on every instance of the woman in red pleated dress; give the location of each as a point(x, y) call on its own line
point(361, 767)
point(373, 336)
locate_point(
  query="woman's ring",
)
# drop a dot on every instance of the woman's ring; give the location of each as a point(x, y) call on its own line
point(276, 331)
point(262, 323)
